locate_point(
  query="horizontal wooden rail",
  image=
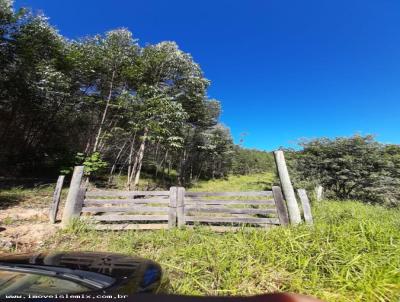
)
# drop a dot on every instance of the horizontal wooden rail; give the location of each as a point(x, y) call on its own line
point(125, 209)
point(229, 202)
point(127, 193)
point(232, 220)
point(131, 226)
point(248, 193)
point(204, 209)
point(124, 201)
point(130, 217)
point(221, 229)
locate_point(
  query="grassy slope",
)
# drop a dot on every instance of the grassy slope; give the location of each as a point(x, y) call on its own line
point(32, 197)
point(351, 254)
point(261, 181)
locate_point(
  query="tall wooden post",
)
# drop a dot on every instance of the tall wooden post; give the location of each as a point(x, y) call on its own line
point(305, 202)
point(56, 199)
point(180, 211)
point(280, 205)
point(173, 193)
point(73, 197)
point(287, 188)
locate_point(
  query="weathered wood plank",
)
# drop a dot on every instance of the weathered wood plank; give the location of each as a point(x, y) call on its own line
point(173, 192)
point(248, 193)
point(221, 229)
point(287, 188)
point(231, 220)
point(205, 209)
point(125, 201)
point(229, 202)
point(305, 202)
point(56, 199)
point(129, 217)
point(130, 226)
point(180, 210)
point(79, 203)
point(125, 209)
point(73, 196)
point(126, 193)
point(280, 205)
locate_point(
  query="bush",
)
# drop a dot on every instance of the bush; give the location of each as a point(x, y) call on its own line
point(350, 168)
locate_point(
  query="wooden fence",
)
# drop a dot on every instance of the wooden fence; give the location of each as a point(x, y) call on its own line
point(229, 210)
point(147, 210)
point(118, 210)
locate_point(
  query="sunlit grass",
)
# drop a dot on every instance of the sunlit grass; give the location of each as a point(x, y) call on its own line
point(351, 254)
point(36, 196)
point(253, 182)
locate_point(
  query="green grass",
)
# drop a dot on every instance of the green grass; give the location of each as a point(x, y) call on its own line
point(253, 182)
point(31, 197)
point(351, 254)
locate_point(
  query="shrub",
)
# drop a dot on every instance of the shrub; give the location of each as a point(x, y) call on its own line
point(350, 168)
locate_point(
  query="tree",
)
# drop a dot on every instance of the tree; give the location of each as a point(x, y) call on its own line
point(247, 161)
point(357, 167)
point(35, 98)
point(105, 101)
point(104, 64)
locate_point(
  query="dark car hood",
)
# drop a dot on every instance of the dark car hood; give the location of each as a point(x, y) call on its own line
point(135, 274)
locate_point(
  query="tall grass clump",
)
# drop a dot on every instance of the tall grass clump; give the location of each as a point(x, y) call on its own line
point(251, 182)
point(352, 253)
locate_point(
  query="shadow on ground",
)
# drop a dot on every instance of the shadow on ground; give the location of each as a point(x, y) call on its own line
point(14, 191)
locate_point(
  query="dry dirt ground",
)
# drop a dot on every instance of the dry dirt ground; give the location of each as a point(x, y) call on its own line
point(24, 229)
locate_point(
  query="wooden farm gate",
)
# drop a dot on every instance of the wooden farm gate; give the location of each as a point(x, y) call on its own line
point(230, 210)
point(119, 210)
point(145, 210)
point(129, 210)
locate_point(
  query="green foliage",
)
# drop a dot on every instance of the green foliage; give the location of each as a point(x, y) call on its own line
point(104, 94)
point(357, 167)
point(249, 161)
point(93, 163)
point(253, 182)
point(351, 254)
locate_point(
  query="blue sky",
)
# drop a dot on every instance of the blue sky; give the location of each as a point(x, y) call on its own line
point(283, 70)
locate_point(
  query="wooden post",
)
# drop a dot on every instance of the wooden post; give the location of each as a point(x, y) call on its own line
point(280, 205)
point(73, 196)
point(293, 208)
point(181, 206)
point(305, 202)
point(56, 199)
point(319, 192)
point(79, 202)
point(173, 194)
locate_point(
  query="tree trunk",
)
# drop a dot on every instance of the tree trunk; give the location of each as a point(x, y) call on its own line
point(161, 165)
point(103, 118)
point(140, 157)
point(115, 162)
point(130, 168)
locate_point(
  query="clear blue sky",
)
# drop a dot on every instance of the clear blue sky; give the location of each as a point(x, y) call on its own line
point(283, 70)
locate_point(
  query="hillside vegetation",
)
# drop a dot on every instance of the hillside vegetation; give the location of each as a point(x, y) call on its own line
point(351, 254)
point(251, 182)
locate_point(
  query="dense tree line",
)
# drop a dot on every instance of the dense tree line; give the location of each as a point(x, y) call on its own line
point(248, 161)
point(105, 101)
point(123, 109)
point(357, 167)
